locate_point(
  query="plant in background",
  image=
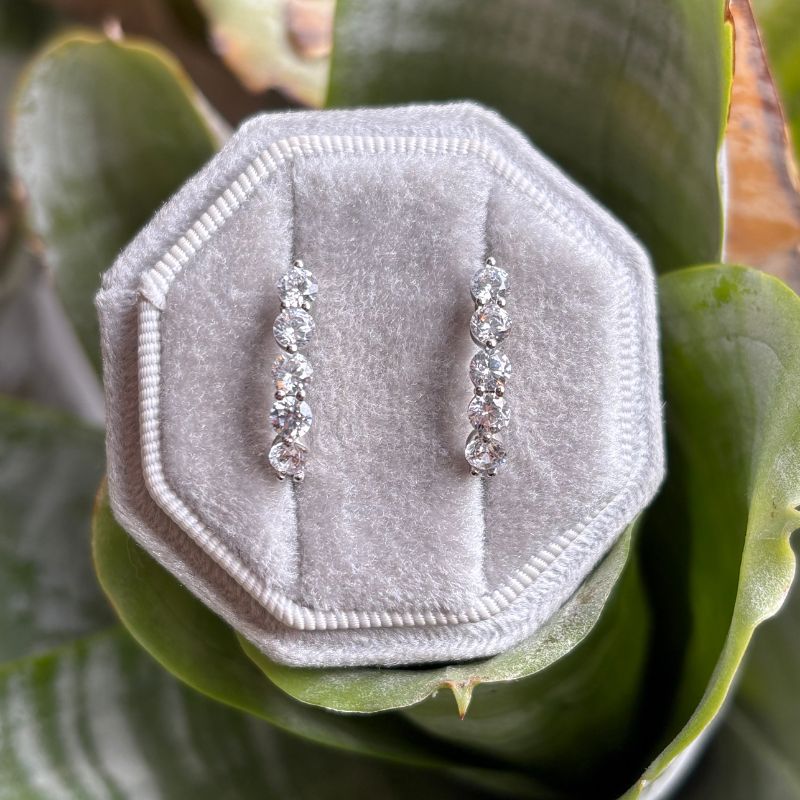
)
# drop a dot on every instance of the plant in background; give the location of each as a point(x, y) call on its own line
point(621, 689)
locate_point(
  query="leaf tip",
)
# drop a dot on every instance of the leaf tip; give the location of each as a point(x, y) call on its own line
point(462, 692)
point(112, 28)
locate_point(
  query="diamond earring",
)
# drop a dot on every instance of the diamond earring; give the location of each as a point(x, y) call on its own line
point(488, 410)
point(291, 415)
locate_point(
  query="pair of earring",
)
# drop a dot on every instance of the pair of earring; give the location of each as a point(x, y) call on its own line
point(488, 413)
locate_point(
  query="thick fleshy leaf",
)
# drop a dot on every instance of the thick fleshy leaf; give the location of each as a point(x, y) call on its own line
point(767, 708)
point(99, 719)
point(370, 690)
point(281, 44)
point(719, 560)
point(103, 132)
point(529, 722)
point(779, 21)
point(194, 644)
point(49, 465)
point(567, 724)
point(615, 92)
point(756, 753)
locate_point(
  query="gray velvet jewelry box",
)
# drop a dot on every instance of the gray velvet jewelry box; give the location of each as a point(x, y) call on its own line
point(389, 552)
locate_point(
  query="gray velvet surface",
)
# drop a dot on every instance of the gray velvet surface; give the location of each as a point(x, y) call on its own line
point(388, 518)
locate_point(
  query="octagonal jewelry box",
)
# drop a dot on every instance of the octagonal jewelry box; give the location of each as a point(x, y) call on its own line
point(389, 552)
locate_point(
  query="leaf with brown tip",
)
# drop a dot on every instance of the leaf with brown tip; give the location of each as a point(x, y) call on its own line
point(281, 44)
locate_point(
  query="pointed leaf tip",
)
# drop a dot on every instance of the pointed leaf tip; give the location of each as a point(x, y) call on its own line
point(462, 691)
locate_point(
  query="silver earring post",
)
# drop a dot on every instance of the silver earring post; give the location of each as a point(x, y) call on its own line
point(489, 369)
point(290, 415)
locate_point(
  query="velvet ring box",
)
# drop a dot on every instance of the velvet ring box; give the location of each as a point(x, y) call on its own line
point(389, 552)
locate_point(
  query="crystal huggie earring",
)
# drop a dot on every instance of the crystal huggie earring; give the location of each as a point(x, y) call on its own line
point(489, 369)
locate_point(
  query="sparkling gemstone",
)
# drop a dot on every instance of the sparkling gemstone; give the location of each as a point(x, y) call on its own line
point(484, 452)
point(291, 417)
point(489, 322)
point(288, 457)
point(488, 371)
point(293, 328)
point(488, 413)
point(489, 283)
point(296, 287)
point(291, 372)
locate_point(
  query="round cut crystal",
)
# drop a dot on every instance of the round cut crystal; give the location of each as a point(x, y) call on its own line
point(288, 457)
point(489, 323)
point(489, 284)
point(293, 328)
point(485, 453)
point(488, 413)
point(291, 417)
point(488, 371)
point(291, 372)
point(296, 287)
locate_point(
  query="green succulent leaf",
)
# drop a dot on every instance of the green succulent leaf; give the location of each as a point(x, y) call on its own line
point(49, 466)
point(616, 93)
point(99, 719)
point(756, 753)
point(369, 690)
point(767, 707)
point(103, 133)
point(200, 649)
point(718, 539)
point(541, 721)
point(779, 21)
